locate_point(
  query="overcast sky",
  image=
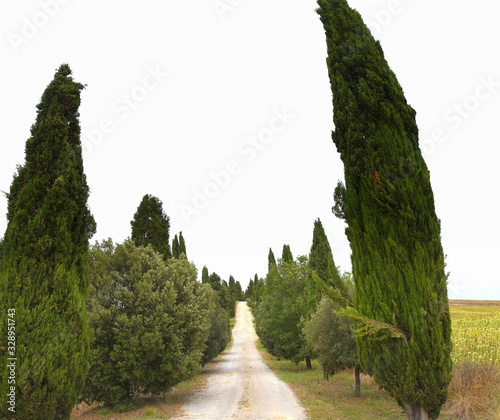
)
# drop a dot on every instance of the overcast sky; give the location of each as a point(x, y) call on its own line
point(222, 109)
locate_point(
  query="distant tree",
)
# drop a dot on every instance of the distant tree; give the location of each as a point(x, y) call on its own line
point(287, 254)
point(220, 331)
point(322, 264)
point(150, 321)
point(205, 278)
point(44, 269)
point(151, 226)
point(388, 204)
point(175, 248)
point(279, 313)
point(182, 245)
point(226, 299)
point(238, 293)
point(249, 290)
point(271, 261)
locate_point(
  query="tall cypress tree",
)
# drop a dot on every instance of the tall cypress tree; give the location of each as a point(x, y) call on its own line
point(322, 263)
point(205, 278)
point(182, 245)
point(271, 260)
point(175, 248)
point(397, 257)
point(287, 255)
point(44, 273)
point(151, 226)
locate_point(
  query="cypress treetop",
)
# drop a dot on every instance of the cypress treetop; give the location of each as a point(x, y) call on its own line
point(287, 255)
point(151, 226)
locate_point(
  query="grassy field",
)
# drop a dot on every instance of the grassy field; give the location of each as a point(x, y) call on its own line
point(476, 331)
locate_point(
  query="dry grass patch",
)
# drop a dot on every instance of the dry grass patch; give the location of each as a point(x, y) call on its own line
point(474, 392)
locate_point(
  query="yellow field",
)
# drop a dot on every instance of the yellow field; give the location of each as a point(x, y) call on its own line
point(476, 332)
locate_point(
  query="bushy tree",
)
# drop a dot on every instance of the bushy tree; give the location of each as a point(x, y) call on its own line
point(149, 319)
point(44, 270)
point(281, 308)
point(151, 226)
point(397, 257)
point(331, 339)
point(220, 331)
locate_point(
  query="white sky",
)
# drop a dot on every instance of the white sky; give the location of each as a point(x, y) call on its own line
point(178, 91)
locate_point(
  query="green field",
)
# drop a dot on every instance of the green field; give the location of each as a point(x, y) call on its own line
point(476, 331)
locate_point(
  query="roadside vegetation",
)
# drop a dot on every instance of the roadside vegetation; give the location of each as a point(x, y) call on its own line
point(474, 391)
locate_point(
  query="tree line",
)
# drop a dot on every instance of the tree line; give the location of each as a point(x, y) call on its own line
point(102, 323)
point(75, 303)
point(398, 304)
point(297, 308)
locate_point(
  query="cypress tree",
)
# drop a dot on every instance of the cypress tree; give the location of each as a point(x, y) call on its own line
point(182, 245)
point(205, 278)
point(151, 226)
point(397, 257)
point(271, 261)
point(44, 273)
point(287, 254)
point(322, 263)
point(175, 248)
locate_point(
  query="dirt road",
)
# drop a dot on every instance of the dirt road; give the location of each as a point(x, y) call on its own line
point(241, 386)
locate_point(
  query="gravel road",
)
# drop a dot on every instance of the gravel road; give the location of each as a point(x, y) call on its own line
point(241, 386)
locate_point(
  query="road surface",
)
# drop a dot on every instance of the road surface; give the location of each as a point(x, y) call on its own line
point(241, 386)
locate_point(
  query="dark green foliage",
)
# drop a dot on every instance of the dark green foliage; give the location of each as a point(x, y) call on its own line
point(322, 264)
point(220, 332)
point(397, 257)
point(178, 246)
point(44, 270)
point(149, 320)
point(287, 254)
point(182, 245)
point(330, 338)
point(271, 261)
point(205, 278)
point(151, 226)
point(238, 292)
point(226, 298)
point(175, 248)
point(339, 197)
point(279, 313)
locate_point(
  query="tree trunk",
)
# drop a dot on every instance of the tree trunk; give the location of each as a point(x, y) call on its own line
point(325, 375)
point(357, 371)
point(415, 411)
point(308, 363)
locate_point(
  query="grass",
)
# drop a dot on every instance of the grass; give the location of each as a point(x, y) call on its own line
point(333, 399)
